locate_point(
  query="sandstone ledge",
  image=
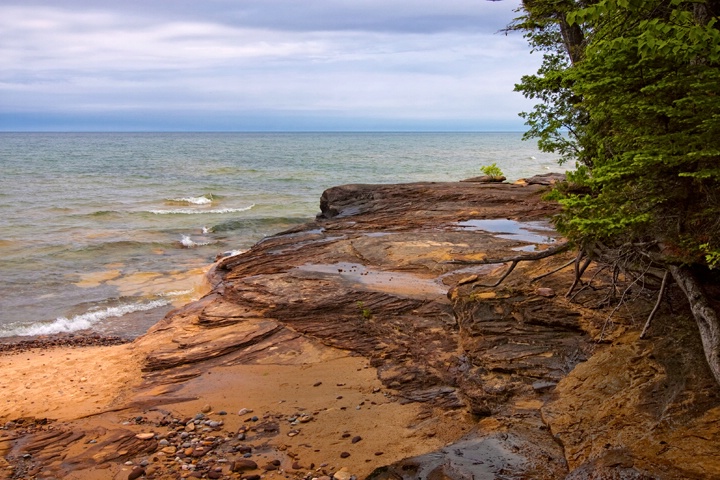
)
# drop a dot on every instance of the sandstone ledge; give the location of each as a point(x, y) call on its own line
point(359, 320)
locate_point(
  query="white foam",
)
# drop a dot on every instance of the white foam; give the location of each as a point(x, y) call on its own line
point(178, 293)
point(188, 242)
point(194, 200)
point(83, 321)
point(190, 211)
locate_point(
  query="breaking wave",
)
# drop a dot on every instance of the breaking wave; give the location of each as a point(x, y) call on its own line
point(187, 242)
point(202, 200)
point(192, 211)
point(83, 321)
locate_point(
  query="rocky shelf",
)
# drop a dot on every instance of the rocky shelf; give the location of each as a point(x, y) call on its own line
point(370, 344)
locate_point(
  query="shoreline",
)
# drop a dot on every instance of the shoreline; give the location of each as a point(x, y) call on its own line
point(356, 345)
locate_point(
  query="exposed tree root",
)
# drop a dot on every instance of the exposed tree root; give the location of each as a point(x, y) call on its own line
point(661, 293)
point(513, 261)
point(564, 265)
point(579, 270)
point(706, 316)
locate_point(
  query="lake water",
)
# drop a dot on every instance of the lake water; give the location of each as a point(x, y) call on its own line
point(108, 231)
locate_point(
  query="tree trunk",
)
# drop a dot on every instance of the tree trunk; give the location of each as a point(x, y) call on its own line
point(706, 316)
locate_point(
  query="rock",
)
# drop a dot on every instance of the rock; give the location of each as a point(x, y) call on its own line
point(344, 454)
point(145, 436)
point(485, 179)
point(342, 474)
point(545, 292)
point(546, 179)
point(242, 465)
point(206, 409)
point(135, 473)
point(356, 439)
point(543, 386)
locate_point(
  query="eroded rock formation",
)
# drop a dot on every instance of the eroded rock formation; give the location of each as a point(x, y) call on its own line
point(550, 387)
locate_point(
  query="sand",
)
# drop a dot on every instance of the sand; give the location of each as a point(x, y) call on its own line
point(85, 387)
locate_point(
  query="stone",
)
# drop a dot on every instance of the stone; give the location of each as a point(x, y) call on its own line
point(135, 473)
point(342, 474)
point(145, 436)
point(242, 465)
point(206, 408)
point(344, 454)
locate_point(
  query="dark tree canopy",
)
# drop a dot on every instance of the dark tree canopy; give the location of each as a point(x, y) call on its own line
point(629, 90)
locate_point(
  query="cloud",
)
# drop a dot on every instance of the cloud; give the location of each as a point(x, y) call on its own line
point(401, 61)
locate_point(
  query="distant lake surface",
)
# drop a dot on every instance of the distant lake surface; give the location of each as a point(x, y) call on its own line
point(109, 231)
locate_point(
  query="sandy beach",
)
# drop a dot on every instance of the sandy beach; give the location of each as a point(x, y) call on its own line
point(347, 419)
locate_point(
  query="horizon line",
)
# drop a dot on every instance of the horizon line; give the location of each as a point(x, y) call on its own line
point(262, 131)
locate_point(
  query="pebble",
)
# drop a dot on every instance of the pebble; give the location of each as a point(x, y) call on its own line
point(245, 411)
point(356, 439)
point(206, 409)
point(243, 464)
point(344, 455)
point(545, 292)
point(145, 436)
point(342, 474)
point(136, 472)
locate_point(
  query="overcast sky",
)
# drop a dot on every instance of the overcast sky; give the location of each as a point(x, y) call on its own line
point(257, 65)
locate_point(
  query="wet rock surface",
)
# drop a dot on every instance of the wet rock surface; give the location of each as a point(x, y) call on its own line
point(549, 387)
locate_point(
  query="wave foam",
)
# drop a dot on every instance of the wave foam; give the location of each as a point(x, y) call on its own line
point(187, 242)
point(190, 211)
point(203, 200)
point(83, 321)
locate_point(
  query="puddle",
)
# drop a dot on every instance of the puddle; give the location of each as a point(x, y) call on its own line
point(395, 283)
point(378, 234)
point(529, 232)
point(526, 248)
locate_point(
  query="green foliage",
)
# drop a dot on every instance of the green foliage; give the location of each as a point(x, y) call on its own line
point(639, 113)
point(365, 312)
point(492, 170)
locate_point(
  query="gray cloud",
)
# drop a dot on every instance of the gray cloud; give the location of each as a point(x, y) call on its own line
point(412, 61)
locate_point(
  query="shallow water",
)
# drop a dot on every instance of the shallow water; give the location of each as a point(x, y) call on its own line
point(108, 231)
point(529, 232)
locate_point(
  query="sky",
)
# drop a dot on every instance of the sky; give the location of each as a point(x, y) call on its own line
point(261, 65)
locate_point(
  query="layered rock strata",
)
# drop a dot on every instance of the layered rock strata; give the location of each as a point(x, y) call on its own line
point(512, 381)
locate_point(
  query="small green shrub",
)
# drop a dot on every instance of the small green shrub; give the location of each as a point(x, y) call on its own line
point(365, 312)
point(492, 170)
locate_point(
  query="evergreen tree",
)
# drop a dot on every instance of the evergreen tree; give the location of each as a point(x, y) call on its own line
point(630, 91)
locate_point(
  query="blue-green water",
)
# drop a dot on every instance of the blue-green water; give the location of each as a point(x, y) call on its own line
point(105, 230)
